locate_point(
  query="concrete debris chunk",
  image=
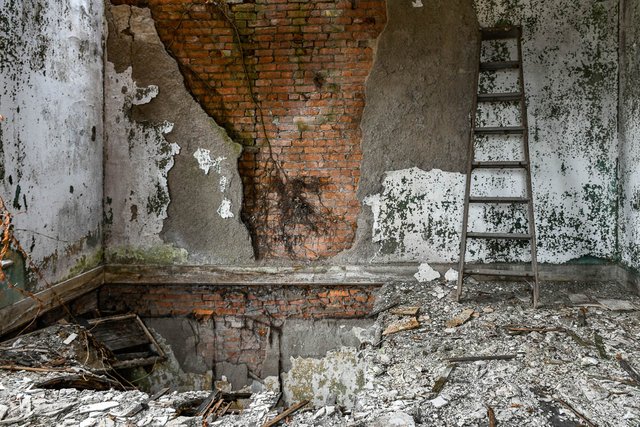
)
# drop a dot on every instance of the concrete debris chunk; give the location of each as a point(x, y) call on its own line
point(451, 275)
point(426, 273)
point(460, 319)
point(439, 402)
point(402, 325)
point(395, 419)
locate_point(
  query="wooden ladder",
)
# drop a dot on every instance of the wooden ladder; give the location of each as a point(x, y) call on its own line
point(488, 34)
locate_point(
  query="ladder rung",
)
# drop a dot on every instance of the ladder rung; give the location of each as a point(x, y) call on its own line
point(499, 97)
point(498, 200)
point(498, 33)
point(500, 165)
point(499, 65)
point(499, 130)
point(501, 236)
point(491, 272)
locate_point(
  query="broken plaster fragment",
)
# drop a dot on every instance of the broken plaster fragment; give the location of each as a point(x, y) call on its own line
point(426, 273)
point(451, 275)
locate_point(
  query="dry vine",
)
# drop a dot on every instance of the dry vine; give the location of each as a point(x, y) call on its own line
point(293, 204)
point(9, 241)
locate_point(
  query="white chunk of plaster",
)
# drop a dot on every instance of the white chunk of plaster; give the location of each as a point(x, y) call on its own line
point(451, 275)
point(225, 209)
point(417, 3)
point(426, 273)
point(439, 402)
point(203, 156)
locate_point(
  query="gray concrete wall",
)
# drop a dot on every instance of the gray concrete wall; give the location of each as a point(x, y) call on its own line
point(51, 142)
point(414, 212)
point(172, 189)
point(629, 214)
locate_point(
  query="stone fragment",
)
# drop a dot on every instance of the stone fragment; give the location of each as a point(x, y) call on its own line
point(451, 275)
point(439, 402)
point(395, 419)
point(426, 273)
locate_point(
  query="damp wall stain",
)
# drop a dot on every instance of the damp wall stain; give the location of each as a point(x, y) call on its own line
point(51, 140)
point(570, 67)
point(629, 215)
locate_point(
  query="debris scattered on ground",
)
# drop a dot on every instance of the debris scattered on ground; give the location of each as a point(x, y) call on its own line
point(554, 367)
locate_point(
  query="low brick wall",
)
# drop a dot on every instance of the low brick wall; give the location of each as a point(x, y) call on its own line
point(239, 325)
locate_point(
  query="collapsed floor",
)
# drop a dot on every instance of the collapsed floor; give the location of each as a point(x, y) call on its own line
point(571, 362)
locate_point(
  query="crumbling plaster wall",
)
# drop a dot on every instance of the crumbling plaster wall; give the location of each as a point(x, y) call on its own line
point(629, 218)
point(51, 142)
point(570, 67)
point(157, 133)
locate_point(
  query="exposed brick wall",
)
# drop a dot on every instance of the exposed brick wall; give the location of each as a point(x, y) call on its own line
point(243, 318)
point(307, 62)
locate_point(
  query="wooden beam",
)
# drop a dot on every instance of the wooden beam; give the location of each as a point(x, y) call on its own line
point(26, 310)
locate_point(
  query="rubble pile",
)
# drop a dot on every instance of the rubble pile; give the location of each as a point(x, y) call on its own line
point(490, 360)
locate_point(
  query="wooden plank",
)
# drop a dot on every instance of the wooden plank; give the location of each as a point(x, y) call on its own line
point(22, 312)
point(285, 414)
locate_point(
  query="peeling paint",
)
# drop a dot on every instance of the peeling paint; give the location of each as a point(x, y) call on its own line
point(225, 209)
point(203, 156)
point(570, 71)
point(135, 144)
point(629, 188)
point(51, 94)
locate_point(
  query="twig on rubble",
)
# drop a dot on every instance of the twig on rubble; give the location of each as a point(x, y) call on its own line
point(477, 358)
point(285, 413)
point(492, 416)
point(575, 411)
point(597, 339)
point(628, 368)
point(442, 379)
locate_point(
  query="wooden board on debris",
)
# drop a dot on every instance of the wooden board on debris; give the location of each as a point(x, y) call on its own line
point(127, 337)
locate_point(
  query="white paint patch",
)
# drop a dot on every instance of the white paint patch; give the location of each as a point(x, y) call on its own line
point(451, 275)
point(144, 95)
point(225, 209)
point(417, 3)
point(203, 156)
point(426, 273)
point(223, 184)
